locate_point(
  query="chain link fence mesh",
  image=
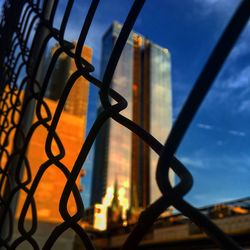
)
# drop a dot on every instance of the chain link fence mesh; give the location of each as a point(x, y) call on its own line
point(25, 31)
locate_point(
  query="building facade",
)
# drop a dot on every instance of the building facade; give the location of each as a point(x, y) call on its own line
point(77, 101)
point(71, 131)
point(142, 77)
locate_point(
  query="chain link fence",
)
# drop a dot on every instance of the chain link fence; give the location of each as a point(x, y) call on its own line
point(25, 31)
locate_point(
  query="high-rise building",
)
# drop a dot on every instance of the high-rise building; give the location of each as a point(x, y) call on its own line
point(70, 130)
point(76, 103)
point(142, 76)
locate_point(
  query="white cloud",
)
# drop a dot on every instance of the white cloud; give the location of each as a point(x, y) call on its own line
point(244, 106)
point(219, 143)
point(236, 87)
point(233, 83)
point(205, 126)
point(238, 162)
point(202, 160)
point(237, 133)
point(232, 89)
point(211, 6)
point(242, 46)
point(214, 2)
point(193, 162)
point(218, 129)
point(223, 10)
point(240, 80)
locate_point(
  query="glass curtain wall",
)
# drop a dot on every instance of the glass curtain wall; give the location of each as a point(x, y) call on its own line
point(160, 107)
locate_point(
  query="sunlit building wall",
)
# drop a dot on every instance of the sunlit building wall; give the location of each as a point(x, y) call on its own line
point(142, 77)
point(71, 131)
point(160, 107)
point(113, 156)
point(77, 99)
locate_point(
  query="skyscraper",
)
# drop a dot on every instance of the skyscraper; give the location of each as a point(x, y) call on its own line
point(71, 131)
point(77, 100)
point(142, 76)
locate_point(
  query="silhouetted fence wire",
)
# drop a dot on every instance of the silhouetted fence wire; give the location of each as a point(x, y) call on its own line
point(25, 30)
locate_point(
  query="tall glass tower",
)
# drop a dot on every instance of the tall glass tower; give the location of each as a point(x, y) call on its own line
point(142, 77)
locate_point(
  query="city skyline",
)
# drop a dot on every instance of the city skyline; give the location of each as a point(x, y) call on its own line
point(51, 135)
point(190, 31)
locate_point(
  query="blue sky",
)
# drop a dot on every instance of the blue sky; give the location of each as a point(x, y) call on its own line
point(216, 148)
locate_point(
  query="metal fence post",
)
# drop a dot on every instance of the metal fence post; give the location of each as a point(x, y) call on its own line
point(27, 111)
